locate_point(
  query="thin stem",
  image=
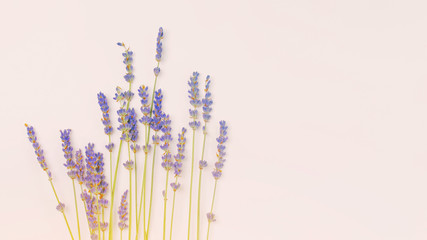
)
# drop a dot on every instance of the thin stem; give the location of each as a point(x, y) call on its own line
point(77, 210)
point(173, 208)
point(98, 214)
point(213, 199)
point(200, 184)
point(110, 228)
point(151, 190)
point(121, 234)
point(136, 188)
point(191, 185)
point(65, 218)
point(142, 204)
point(164, 209)
point(111, 165)
point(103, 221)
point(130, 203)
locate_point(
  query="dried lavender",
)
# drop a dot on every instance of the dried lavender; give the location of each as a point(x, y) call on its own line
point(217, 172)
point(71, 166)
point(177, 166)
point(123, 212)
point(167, 161)
point(40, 158)
point(194, 124)
point(108, 129)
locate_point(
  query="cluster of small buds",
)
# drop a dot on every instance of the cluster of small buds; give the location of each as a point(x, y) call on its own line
point(156, 140)
point(203, 164)
point(60, 207)
point(104, 226)
point(135, 148)
point(91, 212)
point(156, 121)
point(95, 179)
point(128, 59)
point(159, 47)
point(68, 153)
point(125, 125)
point(103, 203)
point(109, 147)
point(80, 167)
point(128, 165)
point(146, 148)
point(37, 149)
point(207, 101)
point(217, 172)
point(133, 132)
point(102, 101)
point(145, 109)
point(166, 138)
point(175, 186)
point(194, 100)
point(123, 211)
point(122, 97)
point(211, 217)
point(177, 166)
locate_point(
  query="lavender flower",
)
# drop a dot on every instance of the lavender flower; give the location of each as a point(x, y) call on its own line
point(125, 124)
point(146, 148)
point(159, 47)
point(194, 100)
point(37, 149)
point(68, 152)
point(109, 147)
point(102, 101)
point(133, 132)
point(156, 121)
point(91, 212)
point(128, 165)
point(60, 207)
point(175, 186)
point(80, 167)
point(202, 164)
point(166, 138)
point(123, 211)
point(135, 148)
point(128, 59)
point(217, 172)
point(211, 217)
point(95, 179)
point(207, 101)
point(180, 155)
point(145, 109)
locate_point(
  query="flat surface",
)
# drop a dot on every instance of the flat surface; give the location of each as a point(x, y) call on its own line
point(326, 102)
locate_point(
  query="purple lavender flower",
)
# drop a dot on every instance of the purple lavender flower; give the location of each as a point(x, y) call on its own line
point(125, 124)
point(37, 149)
point(202, 164)
point(102, 101)
point(60, 207)
point(95, 179)
point(145, 109)
point(91, 211)
point(146, 148)
point(194, 100)
point(104, 226)
point(211, 217)
point(133, 132)
point(109, 147)
point(123, 211)
point(166, 138)
point(180, 155)
point(207, 101)
point(128, 59)
point(103, 203)
point(128, 165)
point(175, 186)
point(80, 167)
point(135, 148)
point(217, 172)
point(159, 47)
point(68, 152)
point(156, 121)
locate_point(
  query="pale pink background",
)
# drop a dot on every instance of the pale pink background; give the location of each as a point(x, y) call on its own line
point(326, 102)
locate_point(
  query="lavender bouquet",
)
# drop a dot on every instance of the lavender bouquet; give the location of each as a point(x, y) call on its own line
point(96, 187)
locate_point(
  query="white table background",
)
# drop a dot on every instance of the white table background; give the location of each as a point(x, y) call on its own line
point(326, 103)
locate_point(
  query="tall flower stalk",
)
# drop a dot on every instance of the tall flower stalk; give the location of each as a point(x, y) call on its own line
point(123, 213)
point(217, 172)
point(156, 125)
point(108, 129)
point(124, 99)
point(70, 165)
point(177, 166)
point(207, 102)
point(167, 163)
point(40, 158)
point(194, 124)
point(129, 166)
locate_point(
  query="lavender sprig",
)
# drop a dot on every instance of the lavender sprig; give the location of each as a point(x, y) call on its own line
point(40, 158)
point(167, 161)
point(102, 101)
point(217, 172)
point(177, 166)
point(123, 212)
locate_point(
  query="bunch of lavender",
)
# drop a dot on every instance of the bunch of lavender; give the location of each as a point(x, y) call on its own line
point(88, 170)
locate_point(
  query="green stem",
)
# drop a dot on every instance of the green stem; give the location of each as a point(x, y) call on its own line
point(136, 188)
point(151, 190)
point(98, 213)
point(164, 208)
point(130, 203)
point(65, 218)
point(213, 199)
point(103, 232)
point(121, 234)
point(111, 164)
point(110, 228)
point(77, 210)
point(200, 185)
point(191, 185)
point(173, 208)
point(142, 204)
